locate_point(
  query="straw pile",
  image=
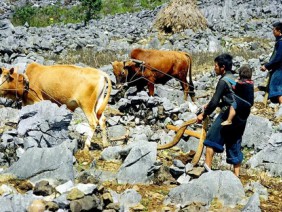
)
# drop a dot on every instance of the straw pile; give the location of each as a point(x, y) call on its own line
point(180, 15)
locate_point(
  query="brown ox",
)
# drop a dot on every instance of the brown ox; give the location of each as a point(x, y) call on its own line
point(62, 84)
point(156, 67)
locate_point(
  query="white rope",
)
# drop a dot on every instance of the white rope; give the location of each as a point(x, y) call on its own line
point(168, 75)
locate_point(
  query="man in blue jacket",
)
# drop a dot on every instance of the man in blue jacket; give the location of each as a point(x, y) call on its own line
point(275, 66)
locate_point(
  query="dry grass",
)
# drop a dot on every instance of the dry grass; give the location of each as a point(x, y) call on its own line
point(273, 185)
point(180, 15)
point(87, 56)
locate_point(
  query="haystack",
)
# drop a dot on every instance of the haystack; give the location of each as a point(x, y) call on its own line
point(180, 15)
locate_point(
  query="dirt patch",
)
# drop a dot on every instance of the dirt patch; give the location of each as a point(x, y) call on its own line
point(152, 195)
point(274, 188)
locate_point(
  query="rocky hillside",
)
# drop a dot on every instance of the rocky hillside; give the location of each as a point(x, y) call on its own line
point(41, 161)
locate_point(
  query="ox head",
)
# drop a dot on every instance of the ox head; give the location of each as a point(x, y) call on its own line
point(133, 66)
point(6, 77)
point(120, 72)
point(125, 71)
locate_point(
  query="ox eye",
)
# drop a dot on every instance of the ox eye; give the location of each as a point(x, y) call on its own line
point(122, 73)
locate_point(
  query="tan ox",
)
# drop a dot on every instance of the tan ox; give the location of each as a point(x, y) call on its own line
point(62, 84)
point(156, 67)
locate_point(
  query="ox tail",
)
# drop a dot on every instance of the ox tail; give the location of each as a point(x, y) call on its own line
point(107, 97)
point(189, 77)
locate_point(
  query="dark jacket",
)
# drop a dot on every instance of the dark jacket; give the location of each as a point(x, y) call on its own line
point(222, 90)
point(275, 61)
point(245, 90)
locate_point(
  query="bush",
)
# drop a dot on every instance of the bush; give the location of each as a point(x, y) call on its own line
point(23, 15)
point(42, 17)
point(91, 8)
point(45, 16)
point(124, 6)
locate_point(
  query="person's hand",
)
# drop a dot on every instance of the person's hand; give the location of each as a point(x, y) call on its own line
point(262, 68)
point(200, 118)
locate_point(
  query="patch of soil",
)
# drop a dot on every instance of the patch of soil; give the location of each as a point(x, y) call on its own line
point(259, 109)
point(152, 195)
point(274, 188)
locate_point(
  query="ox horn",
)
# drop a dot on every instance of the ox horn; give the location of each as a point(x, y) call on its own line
point(137, 61)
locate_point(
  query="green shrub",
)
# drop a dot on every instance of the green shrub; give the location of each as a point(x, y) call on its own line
point(124, 6)
point(42, 17)
point(23, 15)
point(91, 8)
point(45, 16)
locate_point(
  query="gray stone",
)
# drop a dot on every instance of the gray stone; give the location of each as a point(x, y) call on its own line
point(223, 185)
point(270, 157)
point(253, 204)
point(45, 122)
point(41, 163)
point(137, 164)
point(129, 198)
point(258, 138)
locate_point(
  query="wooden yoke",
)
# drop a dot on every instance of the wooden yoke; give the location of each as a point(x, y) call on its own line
point(181, 130)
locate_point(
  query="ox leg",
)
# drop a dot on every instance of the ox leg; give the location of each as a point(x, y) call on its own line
point(93, 121)
point(192, 91)
point(185, 88)
point(102, 123)
point(151, 89)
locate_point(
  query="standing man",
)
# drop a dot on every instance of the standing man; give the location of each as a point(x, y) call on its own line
point(218, 135)
point(275, 66)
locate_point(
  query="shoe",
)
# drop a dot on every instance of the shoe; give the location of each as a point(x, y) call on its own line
point(226, 123)
point(207, 168)
point(262, 88)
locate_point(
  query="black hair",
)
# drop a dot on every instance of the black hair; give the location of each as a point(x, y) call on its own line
point(224, 60)
point(278, 26)
point(245, 72)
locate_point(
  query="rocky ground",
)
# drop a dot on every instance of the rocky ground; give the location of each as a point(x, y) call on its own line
point(131, 175)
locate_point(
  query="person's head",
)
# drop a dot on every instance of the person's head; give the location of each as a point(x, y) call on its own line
point(222, 64)
point(277, 29)
point(245, 72)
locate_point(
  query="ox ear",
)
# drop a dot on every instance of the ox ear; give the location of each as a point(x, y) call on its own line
point(11, 71)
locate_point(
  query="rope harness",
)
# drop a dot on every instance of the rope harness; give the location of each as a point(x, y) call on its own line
point(143, 66)
point(26, 89)
point(19, 98)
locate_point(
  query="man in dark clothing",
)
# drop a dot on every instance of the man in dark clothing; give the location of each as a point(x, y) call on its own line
point(275, 66)
point(218, 135)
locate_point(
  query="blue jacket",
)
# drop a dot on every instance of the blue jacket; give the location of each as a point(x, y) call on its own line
point(275, 61)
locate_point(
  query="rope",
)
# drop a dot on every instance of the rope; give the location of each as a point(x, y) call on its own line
point(143, 65)
point(152, 68)
point(59, 103)
point(142, 77)
point(4, 81)
point(36, 96)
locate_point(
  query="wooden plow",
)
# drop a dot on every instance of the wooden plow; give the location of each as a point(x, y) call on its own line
point(181, 130)
point(266, 91)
